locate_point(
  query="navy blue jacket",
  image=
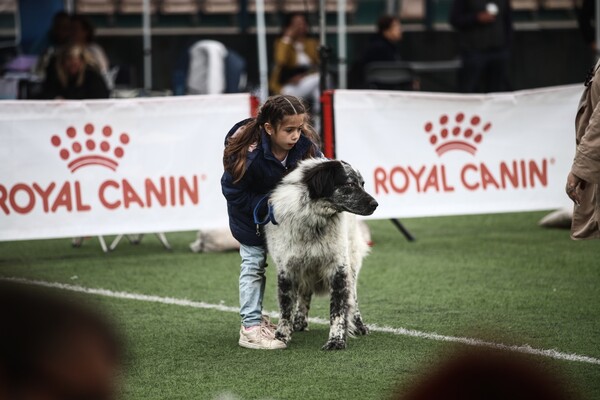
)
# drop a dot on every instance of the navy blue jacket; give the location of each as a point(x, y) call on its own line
point(263, 173)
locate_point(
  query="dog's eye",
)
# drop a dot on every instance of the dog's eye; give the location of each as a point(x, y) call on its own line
point(350, 184)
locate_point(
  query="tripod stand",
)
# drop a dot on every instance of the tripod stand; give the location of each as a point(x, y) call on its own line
point(402, 229)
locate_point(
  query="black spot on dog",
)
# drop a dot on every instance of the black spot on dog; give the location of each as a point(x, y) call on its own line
point(323, 178)
point(339, 294)
point(286, 302)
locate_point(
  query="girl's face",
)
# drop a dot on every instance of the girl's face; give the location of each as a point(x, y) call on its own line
point(285, 135)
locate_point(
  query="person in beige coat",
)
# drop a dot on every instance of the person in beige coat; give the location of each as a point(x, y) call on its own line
point(584, 179)
point(296, 62)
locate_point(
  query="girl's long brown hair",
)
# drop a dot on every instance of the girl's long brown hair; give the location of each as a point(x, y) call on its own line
point(273, 111)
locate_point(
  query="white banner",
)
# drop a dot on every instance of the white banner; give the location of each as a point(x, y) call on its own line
point(425, 154)
point(114, 166)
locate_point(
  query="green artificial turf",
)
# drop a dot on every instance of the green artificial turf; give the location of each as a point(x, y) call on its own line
point(498, 278)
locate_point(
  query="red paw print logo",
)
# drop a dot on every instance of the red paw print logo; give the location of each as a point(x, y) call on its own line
point(90, 146)
point(459, 133)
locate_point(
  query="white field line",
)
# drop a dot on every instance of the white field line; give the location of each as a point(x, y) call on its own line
point(552, 353)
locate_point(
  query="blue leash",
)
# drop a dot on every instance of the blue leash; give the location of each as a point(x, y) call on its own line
point(269, 218)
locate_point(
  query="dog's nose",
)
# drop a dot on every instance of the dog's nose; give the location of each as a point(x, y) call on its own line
point(373, 204)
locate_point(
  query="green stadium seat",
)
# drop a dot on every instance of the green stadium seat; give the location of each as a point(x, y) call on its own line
point(106, 7)
point(292, 6)
point(412, 9)
point(331, 6)
point(271, 6)
point(8, 6)
point(190, 7)
point(558, 4)
point(220, 7)
point(135, 6)
point(525, 5)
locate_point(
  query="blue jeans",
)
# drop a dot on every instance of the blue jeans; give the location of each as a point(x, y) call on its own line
point(252, 283)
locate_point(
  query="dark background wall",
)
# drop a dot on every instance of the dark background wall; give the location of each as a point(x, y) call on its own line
point(541, 57)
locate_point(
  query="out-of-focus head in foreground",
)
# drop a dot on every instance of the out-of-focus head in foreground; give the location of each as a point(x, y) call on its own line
point(54, 347)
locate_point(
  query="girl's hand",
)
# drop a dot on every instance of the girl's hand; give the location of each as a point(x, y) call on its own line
point(573, 183)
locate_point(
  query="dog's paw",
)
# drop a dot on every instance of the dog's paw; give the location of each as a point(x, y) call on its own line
point(282, 337)
point(334, 344)
point(360, 329)
point(300, 324)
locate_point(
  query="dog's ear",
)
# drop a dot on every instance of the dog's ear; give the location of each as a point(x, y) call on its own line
point(322, 178)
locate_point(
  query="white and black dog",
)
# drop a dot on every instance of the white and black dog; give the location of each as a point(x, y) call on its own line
point(318, 247)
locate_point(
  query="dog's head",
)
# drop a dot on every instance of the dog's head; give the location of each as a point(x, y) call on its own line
point(337, 183)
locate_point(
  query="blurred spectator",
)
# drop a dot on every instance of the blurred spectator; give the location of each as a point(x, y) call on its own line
point(82, 34)
point(383, 47)
point(75, 77)
point(296, 59)
point(486, 375)
point(54, 348)
point(485, 34)
point(59, 35)
point(583, 182)
point(585, 17)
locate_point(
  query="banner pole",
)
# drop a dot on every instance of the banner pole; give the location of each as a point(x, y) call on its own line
point(342, 53)
point(328, 124)
point(261, 34)
point(147, 46)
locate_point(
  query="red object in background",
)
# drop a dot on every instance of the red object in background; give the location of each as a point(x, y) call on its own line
point(328, 126)
point(254, 106)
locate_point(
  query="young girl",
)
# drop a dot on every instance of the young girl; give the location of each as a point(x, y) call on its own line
point(258, 153)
